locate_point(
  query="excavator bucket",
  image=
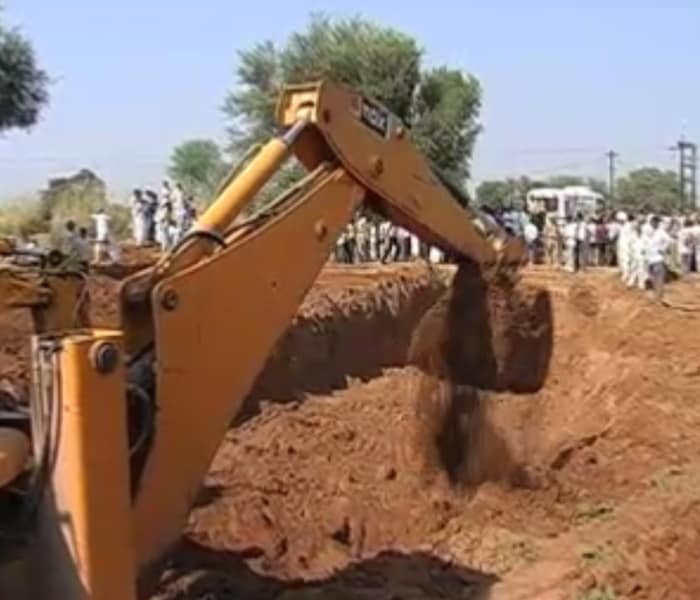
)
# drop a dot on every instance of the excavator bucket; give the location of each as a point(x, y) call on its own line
point(493, 335)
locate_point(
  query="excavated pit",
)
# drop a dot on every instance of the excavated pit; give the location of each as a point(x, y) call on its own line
point(411, 486)
point(342, 481)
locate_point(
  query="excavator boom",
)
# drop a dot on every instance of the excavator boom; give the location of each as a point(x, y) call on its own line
point(198, 326)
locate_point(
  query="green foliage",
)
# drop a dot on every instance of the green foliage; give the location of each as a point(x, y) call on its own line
point(76, 197)
point(23, 85)
point(198, 166)
point(441, 104)
point(494, 193)
point(21, 217)
point(120, 224)
point(505, 193)
point(649, 188)
point(444, 122)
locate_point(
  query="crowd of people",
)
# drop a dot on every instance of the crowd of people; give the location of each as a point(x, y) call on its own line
point(156, 219)
point(367, 239)
point(644, 247)
point(163, 218)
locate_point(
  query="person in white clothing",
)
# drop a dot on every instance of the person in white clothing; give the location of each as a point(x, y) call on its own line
point(404, 238)
point(102, 234)
point(531, 233)
point(656, 253)
point(646, 231)
point(415, 246)
point(179, 212)
point(636, 270)
point(163, 223)
point(685, 243)
point(581, 247)
point(696, 241)
point(624, 256)
point(139, 217)
point(569, 235)
point(435, 255)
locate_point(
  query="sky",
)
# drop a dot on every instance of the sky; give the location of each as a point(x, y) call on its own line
point(563, 81)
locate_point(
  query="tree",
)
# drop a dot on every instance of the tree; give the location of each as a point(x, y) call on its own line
point(649, 188)
point(441, 105)
point(493, 194)
point(23, 85)
point(505, 193)
point(444, 121)
point(198, 166)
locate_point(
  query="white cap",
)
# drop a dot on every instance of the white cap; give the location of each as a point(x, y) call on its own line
point(621, 216)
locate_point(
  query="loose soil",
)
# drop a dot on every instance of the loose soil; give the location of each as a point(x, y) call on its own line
point(354, 474)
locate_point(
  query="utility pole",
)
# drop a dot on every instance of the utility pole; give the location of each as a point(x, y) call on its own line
point(687, 173)
point(612, 155)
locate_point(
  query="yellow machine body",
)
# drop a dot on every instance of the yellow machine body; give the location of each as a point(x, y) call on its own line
point(204, 320)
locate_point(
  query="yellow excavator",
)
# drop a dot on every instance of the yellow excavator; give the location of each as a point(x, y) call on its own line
point(124, 423)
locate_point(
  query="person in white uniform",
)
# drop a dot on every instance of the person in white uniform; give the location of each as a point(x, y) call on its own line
point(657, 247)
point(636, 274)
point(102, 234)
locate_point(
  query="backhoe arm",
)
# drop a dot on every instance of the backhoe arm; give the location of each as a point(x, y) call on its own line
point(198, 326)
point(220, 302)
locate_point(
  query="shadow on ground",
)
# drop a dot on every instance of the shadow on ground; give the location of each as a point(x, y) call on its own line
point(201, 574)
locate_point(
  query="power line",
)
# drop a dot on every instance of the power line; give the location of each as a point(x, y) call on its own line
point(612, 155)
point(687, 169)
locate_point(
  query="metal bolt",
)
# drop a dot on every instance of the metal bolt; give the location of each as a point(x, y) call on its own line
point(376, 166)
point(104, 357)
point(169, 300)
point(320, 229)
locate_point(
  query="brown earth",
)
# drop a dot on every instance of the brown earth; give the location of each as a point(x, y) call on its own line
point(588, 489)
point(360, 477)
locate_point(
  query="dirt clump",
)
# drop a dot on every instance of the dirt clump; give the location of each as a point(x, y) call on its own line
point(494, 335)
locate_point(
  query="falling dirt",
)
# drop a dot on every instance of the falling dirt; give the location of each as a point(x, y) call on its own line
point(355, 475)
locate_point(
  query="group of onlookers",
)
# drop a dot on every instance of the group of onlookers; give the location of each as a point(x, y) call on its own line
point(369, 239)
point(644, 246)
point(163, 218)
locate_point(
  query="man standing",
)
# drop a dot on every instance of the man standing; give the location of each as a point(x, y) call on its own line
point(139, 211)
point(531, 234)
point(636, 274)
point(624, 255)
point(582, 239)
point(391, 250)
point(570, 228)
point(151, 211)
point(179, 212)
point(70, 246)
point(101, 219)
point(362, 238)
point(657, 247)
point(163, 222)
point(552, 242)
